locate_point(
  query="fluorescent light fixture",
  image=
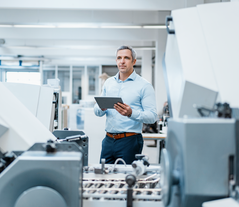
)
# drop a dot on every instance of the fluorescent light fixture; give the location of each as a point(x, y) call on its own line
point(121, 27)
point(154, 27)
point(85, 25)
point(34, 26)
point(77, 26)
point(5, 25)
point(10, 62)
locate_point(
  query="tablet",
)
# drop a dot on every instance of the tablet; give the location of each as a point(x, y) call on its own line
point(107, 102)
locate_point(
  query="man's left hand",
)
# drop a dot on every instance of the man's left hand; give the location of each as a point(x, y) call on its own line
point(123, 109)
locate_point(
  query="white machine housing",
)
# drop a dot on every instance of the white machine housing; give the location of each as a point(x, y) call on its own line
point(19, 128)
point(202, 57)
point(202, 67)
point(38, 99)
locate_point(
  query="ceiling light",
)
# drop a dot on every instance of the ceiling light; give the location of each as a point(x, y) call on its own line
point(34, 26)
point(154, 27)
point(77, 26)
point(5, 25)
point(85, 25)
point(122, 27)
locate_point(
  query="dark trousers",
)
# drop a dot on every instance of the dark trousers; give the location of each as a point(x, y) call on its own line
point(124, 148)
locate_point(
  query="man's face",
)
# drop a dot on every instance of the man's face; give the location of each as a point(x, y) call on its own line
point(125, 62)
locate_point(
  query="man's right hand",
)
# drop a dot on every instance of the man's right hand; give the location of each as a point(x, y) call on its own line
point(123, 109)
point(103, 109)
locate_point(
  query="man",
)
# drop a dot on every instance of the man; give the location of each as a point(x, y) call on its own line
point(124, 122)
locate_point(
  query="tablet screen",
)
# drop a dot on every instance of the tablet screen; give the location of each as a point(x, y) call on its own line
point(107, 102)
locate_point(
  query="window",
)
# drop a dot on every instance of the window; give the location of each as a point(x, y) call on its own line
point(93, 79)
point(64, 76)
point(48, 73)
point(77, 84)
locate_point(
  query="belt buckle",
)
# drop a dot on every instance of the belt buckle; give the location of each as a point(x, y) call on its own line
point(114, 135)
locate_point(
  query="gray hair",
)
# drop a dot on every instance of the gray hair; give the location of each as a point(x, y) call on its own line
point(124, 47)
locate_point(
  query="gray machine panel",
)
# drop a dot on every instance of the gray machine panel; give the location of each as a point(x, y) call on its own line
point(60, 171)
point(198, 152)
point(83, 141)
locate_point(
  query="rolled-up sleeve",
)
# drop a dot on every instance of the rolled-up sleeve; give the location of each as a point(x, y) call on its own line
point(98, 111)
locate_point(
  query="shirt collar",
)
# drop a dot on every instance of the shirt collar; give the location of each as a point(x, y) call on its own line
point(131, 77)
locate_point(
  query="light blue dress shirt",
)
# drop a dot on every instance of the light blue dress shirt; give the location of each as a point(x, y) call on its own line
point(139, 94)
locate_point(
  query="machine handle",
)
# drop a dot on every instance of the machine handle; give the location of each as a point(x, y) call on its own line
point(129, 197)
point(167, 20)
point(130, 180)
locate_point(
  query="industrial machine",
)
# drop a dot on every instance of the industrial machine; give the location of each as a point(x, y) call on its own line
point(199, 165)
point(122, 185)
point(33, 170)
point(47, 174)
point(40, 168)
point(43, 101)
point(200, 161)
point(78, 137)
point(50, 174)
point(19, 127)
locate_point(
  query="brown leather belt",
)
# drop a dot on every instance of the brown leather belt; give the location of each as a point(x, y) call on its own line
point(121, 135)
